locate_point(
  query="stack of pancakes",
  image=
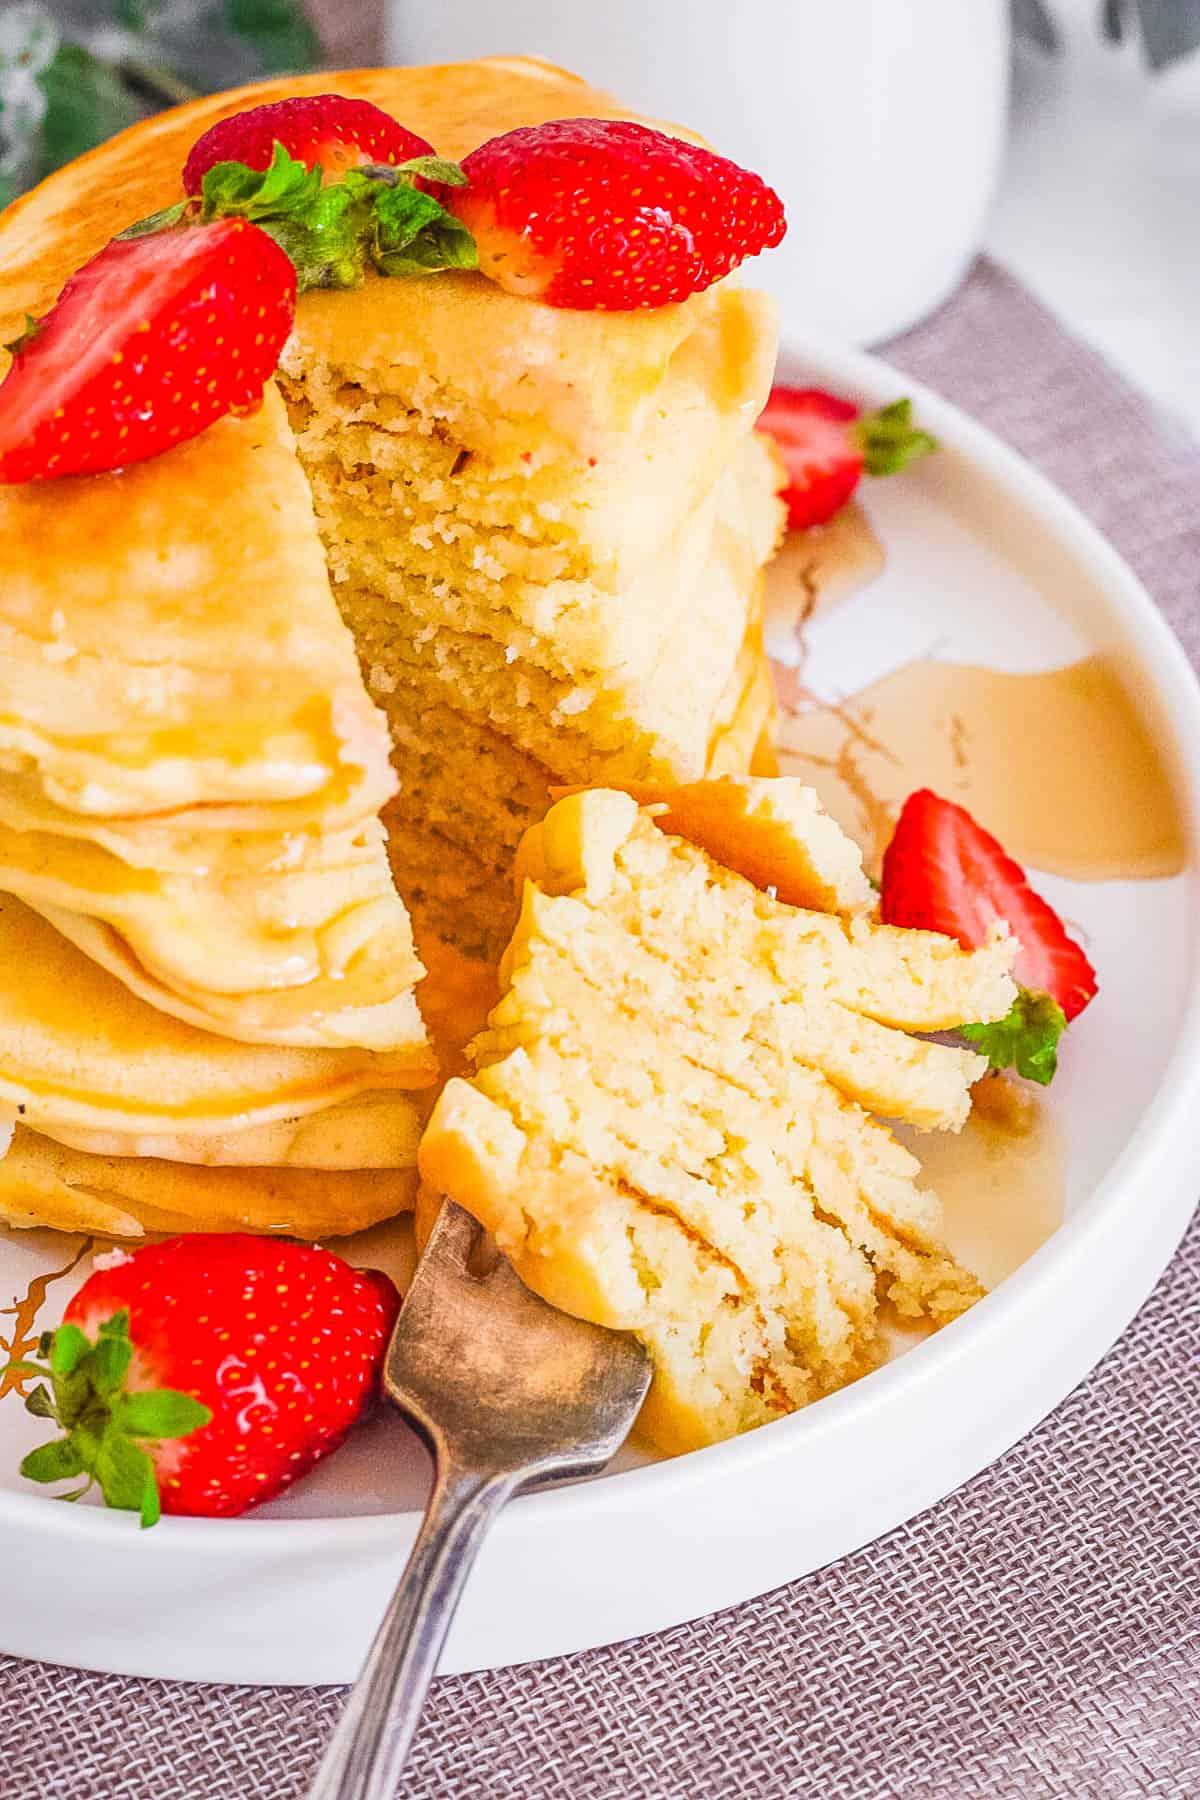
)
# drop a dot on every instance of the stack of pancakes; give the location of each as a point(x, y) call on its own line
point(537, 543)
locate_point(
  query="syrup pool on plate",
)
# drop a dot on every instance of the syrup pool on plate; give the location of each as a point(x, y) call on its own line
point(1057, 764)
point(1000, 1179)
point(1001, 1182)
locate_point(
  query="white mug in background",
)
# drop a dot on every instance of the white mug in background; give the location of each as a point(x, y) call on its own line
point(881, 122)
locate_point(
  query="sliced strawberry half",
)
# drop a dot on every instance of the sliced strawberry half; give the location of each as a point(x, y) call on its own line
point(606, 214)
point(827, 446)
point(943, 872)
point(151, 342)
point(329, 130)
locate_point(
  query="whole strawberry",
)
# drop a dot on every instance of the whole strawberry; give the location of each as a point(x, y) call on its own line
point(206, 1374)
point(329, 130)
point(605, 214)
point(148, 344)
point(826, 447)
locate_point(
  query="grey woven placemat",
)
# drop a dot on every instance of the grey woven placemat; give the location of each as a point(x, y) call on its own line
point(1037, 1634)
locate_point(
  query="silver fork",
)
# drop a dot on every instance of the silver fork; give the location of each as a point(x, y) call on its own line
point(511, 1395)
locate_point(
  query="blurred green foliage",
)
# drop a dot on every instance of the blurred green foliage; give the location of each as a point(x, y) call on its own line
point(1166, 29)
point(73, 72)
point(86, 102)
point(279, 30)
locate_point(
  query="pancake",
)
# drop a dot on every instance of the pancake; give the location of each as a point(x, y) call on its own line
point(167, 641)
point(42, 1183)
point(323, 1014)
point(372, 1131)
point(81, 1051)
point(278, 929)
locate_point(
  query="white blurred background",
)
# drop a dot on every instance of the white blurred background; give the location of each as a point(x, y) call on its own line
point(1098, 202)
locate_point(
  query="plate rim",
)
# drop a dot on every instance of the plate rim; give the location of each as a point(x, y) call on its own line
point(1176, 1099)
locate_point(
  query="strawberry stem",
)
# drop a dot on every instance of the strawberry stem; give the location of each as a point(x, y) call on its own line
point(158, 221)
point(1026, 1039)
point(30, 330)
point(889, 440)
point(81, 1386)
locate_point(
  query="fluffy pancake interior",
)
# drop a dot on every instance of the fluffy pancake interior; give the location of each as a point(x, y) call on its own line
point(521, 615)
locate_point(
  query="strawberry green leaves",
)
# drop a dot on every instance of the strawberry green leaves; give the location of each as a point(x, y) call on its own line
point(374, 216)
point(889, 440)
point(159, 1413)
point(1026, 1039)
point(413, 234)
point(284, 189)
point(82, 1387)
point(126, 1477)
point(59, 1461)
point(323, 230)
point(162, 220)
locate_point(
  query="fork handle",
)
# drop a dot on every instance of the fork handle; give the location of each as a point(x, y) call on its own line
point(370, 1744)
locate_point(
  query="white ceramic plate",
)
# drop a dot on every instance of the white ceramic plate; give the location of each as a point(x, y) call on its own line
point(989, 562)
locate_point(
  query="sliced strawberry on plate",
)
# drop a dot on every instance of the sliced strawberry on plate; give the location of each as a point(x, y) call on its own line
point(827, 446)
point(326, 130)
point(943, 872)
point(606, 214)
point(148, 344)
point(205, 1374)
